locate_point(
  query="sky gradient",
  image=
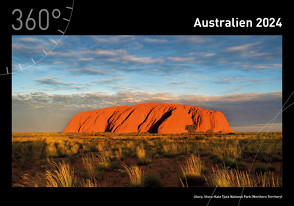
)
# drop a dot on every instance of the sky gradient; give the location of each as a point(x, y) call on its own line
point(238, 75)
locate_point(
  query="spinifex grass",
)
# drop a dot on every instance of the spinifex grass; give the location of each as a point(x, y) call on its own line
point(135, 174)
point(192, 172)
point(192, 166)
point(30, 181)
point(236, 178)
point(30, 150)
point(90, 164)
point(140, 151)
point(171, 149)
point(142, 158)
point(61, 175)
point(104, 160)
point(267, 179)
point(89, 183)
point(230, 178)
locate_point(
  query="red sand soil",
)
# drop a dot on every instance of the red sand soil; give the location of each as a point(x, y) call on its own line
point(149, 117)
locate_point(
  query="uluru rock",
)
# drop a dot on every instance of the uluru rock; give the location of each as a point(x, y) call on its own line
point(149, 117)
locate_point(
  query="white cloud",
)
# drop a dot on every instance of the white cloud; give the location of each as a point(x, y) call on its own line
point(144, 60)
point(107, 52)
point(32, 39)
point(113, 80)
point(155, 40)
point(86, 70)
point(116, 55)
point(180, 59)
point(243, 47)
point(71, 53)
point(258, 66)
point(240, 109)
point(54, 83)
point(113, 39)
point(272, 127)
point(133, 96)
point(247, 50)
point(86, 58)
point(195, 38)
point(209, 54)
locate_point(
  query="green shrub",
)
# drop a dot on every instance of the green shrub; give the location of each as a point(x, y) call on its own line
point(191, 128)
point(115, 165)
point(151, 181)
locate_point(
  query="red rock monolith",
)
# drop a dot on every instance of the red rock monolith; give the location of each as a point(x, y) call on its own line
point(149, 117)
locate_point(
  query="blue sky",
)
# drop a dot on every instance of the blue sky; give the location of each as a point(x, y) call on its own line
point(238, 75)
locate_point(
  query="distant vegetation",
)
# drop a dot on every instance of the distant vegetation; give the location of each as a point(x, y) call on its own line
point(146, 160)
point(191, 128)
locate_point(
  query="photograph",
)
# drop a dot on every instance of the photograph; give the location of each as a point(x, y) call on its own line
point(164, 111)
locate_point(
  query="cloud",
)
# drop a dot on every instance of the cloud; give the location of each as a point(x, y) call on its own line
point(110, 52)
point(209, 54)
point(259, 66)
point(234, 90)
point(247, 97)
point(248, 50)
point(180, 59)
point(86, 58)
point(56, 84)
point(194, 87)
point(240, 110)
point(113, 39)
point(21, 48)
point(195, 39)
point(243, 47)
point(115, 54)
point(106, 40)
point(57, 62)
point(231, 80)
point(32, 39)
point(90, 71)
point(113, 80)
point(277, 127)
point(107, 52)
point(66, 53)
point(144, 60)
point(177, 83)
point(24, 45)
point(133, 97)
point(155, 40)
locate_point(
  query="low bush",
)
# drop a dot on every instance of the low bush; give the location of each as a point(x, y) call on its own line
point(151, 181)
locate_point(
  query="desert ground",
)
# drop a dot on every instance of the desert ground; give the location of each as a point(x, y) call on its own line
point(146, 160)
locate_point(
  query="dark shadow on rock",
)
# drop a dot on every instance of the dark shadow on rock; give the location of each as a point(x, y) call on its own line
point(154, 128)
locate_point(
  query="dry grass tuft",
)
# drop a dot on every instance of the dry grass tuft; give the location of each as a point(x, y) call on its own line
point(90, 164)
point(30, 181)
point(89, 183)
point(192, 167)
point(135, 174)
point(140, 151)
point(61, 175)
point(230, 178)
point(51, 150)
point(192, 172)
point(237, 178)
point(104, 160)
point(267, 180)
point(142, 158)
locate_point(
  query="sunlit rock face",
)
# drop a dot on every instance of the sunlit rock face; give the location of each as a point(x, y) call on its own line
point(149, 117)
